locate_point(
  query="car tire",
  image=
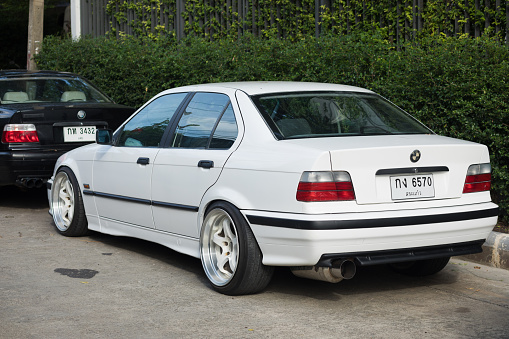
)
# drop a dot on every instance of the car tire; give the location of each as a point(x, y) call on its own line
point(229, 253)
point(67, 204)
point(421, 268)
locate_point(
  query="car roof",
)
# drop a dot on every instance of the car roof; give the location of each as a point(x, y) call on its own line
point(17, 73)
point(265, 87)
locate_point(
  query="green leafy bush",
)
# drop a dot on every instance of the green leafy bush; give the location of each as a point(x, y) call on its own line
point(456, 86)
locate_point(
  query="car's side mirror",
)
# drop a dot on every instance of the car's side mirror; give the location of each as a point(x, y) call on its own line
point(104, 136)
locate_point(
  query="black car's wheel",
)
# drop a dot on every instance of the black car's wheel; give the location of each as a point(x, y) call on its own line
point(67, 205)
point(230, 254)
point(421, 267)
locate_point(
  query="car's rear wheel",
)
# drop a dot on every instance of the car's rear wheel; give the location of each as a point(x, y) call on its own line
point(421, 268)
point(67, 204)
point(230, 254)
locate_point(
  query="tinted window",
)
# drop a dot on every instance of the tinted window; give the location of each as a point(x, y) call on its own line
point(226, 131)
point(50, 89)
point(199, 120)
point(304, 115)
point(147, 127)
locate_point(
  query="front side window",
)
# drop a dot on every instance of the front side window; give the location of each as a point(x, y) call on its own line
point(201, 119)
point(329, 114)
point(147, 127)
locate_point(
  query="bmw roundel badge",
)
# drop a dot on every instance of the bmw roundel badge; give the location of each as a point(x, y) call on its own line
point(415, 156)
point(81, 114)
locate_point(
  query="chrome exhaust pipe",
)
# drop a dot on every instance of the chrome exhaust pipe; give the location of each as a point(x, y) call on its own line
point(341, 269)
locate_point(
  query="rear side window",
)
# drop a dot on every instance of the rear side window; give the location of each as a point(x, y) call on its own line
point(226, 131)
point(147, 127)
point(207, 122)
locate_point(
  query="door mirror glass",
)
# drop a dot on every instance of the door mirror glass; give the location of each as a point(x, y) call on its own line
point(103, 136)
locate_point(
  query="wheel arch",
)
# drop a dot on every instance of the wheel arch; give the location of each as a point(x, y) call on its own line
point(221, 194)
point(205, 208)
point(82, 170)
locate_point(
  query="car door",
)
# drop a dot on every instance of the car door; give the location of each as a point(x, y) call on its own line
point(197, 150)
point(122, 173)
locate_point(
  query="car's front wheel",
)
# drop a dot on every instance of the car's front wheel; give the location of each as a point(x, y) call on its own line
point(67, 204)
point(230, 254)
point(421, 268)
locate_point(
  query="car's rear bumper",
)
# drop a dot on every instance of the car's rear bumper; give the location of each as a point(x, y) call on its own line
point(303, 239)
point(38, 163)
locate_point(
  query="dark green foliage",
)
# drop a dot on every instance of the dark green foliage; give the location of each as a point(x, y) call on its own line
point(456, 86)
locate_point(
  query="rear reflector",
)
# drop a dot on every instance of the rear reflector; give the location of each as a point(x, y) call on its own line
point(478, 178)
point(17, 133)
point(325, 186)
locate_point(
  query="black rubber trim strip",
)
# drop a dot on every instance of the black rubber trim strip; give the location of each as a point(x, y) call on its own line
point(404, 254)
point(370, 223)
point(177, 206)
point(142, 201)
point(123, 198)
point(412, 170)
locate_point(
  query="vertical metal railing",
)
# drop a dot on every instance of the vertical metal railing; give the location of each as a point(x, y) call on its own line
point(401, 19)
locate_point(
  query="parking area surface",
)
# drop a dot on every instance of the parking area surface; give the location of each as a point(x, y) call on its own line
point(102, 286)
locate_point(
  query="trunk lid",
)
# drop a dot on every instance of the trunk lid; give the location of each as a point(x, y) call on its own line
point(382, 170)
point(53, 120)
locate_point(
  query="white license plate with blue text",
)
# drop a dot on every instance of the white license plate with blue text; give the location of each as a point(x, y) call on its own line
point(412, 186)
point(79, 133)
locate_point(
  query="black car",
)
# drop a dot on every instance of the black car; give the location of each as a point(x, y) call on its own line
point(44, 114)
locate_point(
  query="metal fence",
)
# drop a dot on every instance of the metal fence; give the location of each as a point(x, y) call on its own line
point(397, 20)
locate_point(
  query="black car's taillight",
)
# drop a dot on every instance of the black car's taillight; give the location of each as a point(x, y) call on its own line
point(19, 133)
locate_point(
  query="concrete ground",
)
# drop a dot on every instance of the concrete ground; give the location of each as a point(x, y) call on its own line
point(101, 286)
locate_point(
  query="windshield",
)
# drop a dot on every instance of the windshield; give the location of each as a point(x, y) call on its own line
point(308, 115)
point(50, 89)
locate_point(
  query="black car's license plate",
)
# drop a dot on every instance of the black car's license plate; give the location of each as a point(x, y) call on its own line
point(79, 133)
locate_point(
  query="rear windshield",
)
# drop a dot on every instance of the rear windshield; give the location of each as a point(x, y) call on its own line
point(308, 115)
point(51, 90)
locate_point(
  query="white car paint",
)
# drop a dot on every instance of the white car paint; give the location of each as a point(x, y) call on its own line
point(259, 175)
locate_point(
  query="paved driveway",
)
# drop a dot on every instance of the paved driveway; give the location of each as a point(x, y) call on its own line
point(114, 287)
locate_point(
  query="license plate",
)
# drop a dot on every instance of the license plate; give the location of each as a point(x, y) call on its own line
point(79, 133)
point(412, 186)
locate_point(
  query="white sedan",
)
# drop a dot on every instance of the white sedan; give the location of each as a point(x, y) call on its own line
point(321, 178)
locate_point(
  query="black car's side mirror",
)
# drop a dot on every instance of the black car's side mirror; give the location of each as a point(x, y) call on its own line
point(104, 136)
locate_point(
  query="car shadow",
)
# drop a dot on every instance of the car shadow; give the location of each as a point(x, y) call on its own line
point(373, 279)
point(18, 197)
point(368, 280)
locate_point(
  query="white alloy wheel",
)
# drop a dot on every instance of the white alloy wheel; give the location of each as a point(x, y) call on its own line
point(220, 247)
point(67, 204)
point(62, 202)
point(230, 254)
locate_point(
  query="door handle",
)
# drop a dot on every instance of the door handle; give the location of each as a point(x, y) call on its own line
point(206, 163)
point(143, 161)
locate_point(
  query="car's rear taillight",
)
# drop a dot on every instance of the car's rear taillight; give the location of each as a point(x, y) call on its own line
point(325, 186)
point(478, 178)
point(16, 133)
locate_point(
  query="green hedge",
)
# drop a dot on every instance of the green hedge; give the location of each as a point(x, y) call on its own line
point(457, 86)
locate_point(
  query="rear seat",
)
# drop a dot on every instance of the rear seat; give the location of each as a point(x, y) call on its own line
point(14, 97)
